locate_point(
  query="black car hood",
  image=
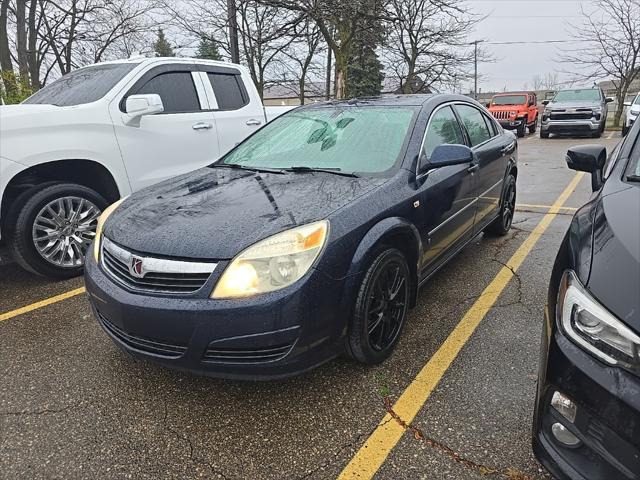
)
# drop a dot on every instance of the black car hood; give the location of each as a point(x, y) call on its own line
point(615, 268)
point(214, 213)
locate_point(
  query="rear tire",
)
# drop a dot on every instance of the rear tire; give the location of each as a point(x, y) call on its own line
point(501, 225)
point(381, 308)
point(52, 226)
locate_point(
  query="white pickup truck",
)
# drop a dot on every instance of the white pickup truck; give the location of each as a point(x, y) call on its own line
point(104, 131)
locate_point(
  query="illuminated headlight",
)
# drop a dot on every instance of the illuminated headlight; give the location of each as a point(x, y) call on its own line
point(273, 263)
point(594, 328)
point(103, 218)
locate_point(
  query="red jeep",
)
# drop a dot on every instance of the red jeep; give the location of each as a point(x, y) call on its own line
point(517, 111)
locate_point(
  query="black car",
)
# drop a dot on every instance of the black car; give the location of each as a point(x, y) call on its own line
point(308, 240)
point(587, 415)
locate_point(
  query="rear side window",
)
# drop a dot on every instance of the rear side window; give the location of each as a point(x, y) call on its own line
point(177, 91)
point(228, 91)
point(443, 129)
point(475, 124)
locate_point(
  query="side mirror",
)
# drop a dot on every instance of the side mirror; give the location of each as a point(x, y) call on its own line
point(445, 155)
point(588, 158)
point(608, 100)
point(627, 104)
point(545, 102)
point(141, 105)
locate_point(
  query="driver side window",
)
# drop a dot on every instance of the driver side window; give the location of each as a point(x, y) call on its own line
point(443, 129)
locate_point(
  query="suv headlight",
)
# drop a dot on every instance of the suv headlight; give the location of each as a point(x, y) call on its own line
point(103, 218)
point(593, 327)
point(273, 263)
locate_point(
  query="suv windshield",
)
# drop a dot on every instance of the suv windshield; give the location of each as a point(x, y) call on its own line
point(584, 95)
point(365, 139)
point(509, 100)
point(82, 86)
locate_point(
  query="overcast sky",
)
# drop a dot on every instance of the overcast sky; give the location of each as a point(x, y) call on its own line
point(524, 20)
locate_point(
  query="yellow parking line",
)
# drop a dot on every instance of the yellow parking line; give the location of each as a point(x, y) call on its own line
point(41, 304)
point(370, 457)
point(545, 207)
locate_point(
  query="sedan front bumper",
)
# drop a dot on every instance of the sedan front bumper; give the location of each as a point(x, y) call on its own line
point(608, 414)
point(269, 336)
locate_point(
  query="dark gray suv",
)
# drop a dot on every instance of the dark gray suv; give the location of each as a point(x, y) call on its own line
point(576, 112)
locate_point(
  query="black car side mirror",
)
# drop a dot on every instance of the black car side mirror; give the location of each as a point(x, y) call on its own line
point(445, 155)
point(588, 158)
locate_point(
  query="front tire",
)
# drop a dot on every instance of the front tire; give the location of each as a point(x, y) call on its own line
point(54, 227)
point(534, 126)
point(501, 225)
point(625, 130)
point(521, 131)
point(381, 308)
point(544, 134)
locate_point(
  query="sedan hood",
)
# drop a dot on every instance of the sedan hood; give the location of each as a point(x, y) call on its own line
point(615, 269)
point(215, 213)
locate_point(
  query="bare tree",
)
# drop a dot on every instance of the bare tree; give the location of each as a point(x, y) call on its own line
point(536, 82)
point(610, 46)
point(339, 21)
point(427, 44)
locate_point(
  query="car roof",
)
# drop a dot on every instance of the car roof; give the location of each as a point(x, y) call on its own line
point(412, 100)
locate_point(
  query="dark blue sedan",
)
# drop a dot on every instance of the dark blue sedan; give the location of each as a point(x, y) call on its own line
point(307, 241)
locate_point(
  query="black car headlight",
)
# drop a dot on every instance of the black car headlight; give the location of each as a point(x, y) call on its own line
point(273, 263)
point(593, 327)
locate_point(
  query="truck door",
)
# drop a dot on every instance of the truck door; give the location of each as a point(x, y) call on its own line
point(237, 108)
point(181, 139)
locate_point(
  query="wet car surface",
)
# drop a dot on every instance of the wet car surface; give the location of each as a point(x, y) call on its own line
point(74, 406)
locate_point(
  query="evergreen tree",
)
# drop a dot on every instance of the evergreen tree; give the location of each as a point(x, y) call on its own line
point(162, 47)
point(208, 49)
point(364, 71)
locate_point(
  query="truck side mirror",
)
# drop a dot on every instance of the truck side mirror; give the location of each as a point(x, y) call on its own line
point(545, 102)
point(590, 159)
point(140, 105)
point(608, 100)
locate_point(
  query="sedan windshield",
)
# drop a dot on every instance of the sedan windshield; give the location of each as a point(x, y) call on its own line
point(365, 139)
point(85, 85)
point(509, 100)
point(584, 95)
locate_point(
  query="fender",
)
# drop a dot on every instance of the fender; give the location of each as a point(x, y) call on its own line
point(365, 250)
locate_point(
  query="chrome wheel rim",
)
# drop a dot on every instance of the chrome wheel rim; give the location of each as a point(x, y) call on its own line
point(64, 229)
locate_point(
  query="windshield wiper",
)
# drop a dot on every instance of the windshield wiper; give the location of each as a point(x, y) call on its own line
point(335, 171)
point(245, 167)
point(633, 178)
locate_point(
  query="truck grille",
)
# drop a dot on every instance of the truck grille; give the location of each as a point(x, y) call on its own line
point(577, 114)
point(502, 115)
point(147, 274)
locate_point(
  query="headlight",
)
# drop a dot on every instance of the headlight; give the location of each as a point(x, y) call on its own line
point(634, 112)
point(103, 218)
point(592, 327)
point(547, 111)
point(273, 263)
point(597, 110)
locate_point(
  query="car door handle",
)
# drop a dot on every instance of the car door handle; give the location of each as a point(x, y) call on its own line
point(508, 149)
point(202, 126)
point(253, 122)
point(473, 168)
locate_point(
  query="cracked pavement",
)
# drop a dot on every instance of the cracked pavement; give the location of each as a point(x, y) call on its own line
point(74, 406)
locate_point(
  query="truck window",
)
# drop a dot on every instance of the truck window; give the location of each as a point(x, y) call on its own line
point(474, 120)
point(229, 93)
point(84, 85)
point(177, 91)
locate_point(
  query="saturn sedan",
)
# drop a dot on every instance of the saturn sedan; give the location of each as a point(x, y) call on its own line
point(307, 241)
point(587, 416)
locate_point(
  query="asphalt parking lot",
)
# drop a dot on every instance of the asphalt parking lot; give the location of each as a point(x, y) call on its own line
point(72, 405)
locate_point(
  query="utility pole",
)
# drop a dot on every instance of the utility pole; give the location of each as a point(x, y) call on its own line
point(232, 20)
point(475, 67)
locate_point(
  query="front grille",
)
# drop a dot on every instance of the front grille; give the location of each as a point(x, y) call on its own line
point(157, 275)
point(502, 115)
point(572, 114)
point(148, 345)
point(246, 355)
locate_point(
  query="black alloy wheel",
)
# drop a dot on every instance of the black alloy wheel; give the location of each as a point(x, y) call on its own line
point(381, 308)
point(502, 224)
